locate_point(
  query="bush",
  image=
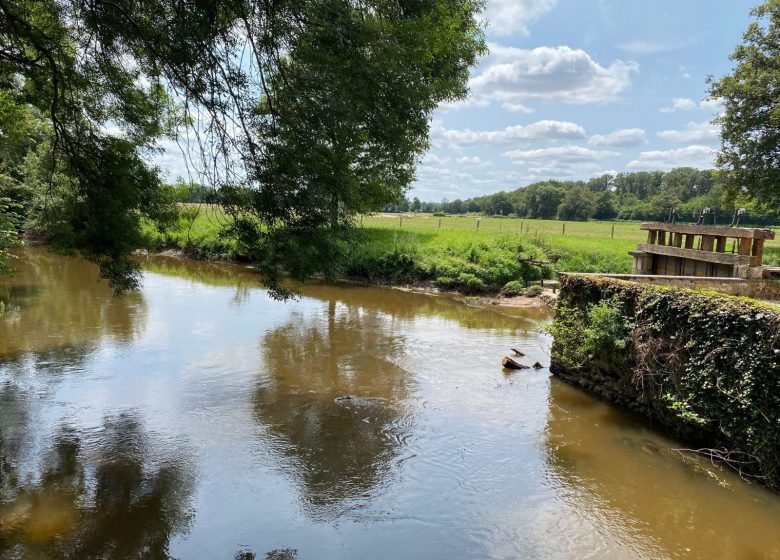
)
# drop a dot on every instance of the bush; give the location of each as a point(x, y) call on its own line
point(534, 291)
point(513, 288)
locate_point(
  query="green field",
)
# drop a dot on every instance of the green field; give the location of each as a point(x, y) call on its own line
point(469, 253)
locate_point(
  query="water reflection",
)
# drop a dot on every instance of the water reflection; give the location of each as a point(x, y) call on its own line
point(113, 492)
point(334, 401)
point(399, 304)
point(56, 302)
point(628, 480)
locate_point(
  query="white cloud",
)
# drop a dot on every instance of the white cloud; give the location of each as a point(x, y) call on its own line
point(679, 104)
point(555, 74)
point(690, 156)
point(693, 132)
point(558, 154)
point(433, 158)
point(474, 161)
point(540, 130)
point(507, 17)
point(619, 138)
point(517, 108)
point(714, 105)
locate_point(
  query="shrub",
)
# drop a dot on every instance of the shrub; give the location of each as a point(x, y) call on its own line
point(534, 291)
point(514, 288)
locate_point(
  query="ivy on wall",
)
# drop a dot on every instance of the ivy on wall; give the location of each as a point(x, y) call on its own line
point(704, 364)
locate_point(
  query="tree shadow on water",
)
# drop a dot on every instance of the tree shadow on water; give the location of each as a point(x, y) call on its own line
point(109, 494)
point(333, 402)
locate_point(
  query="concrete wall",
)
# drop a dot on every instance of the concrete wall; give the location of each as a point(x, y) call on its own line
point(766, 289)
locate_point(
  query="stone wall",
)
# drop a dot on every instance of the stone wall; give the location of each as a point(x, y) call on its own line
point(766, 289)
point(704, 366)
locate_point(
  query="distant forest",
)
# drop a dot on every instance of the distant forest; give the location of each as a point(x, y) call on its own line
point(641, 195)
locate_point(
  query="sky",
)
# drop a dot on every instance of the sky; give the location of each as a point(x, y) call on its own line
point(573, 89)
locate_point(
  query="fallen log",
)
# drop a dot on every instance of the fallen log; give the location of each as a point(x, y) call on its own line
point(509, 363)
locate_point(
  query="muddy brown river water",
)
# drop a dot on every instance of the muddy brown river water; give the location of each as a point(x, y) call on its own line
point(200, 419)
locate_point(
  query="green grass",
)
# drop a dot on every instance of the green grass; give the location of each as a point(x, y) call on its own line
point(451, 251)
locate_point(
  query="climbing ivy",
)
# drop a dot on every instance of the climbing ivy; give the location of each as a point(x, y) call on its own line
point(701, 363)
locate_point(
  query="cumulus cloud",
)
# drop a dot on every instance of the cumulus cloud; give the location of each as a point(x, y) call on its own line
point(679, 104)
point(540, 130)
point(693, 132)
point(517, 108)
point(619, 138)
point(557, 74)
point(507, 17)
point(690, 156)
point(559, 154)
point(474, 161)
point(714, 105)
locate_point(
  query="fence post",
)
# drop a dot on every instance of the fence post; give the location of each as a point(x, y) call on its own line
point(477, 224)
point(613, 231)
point(400, 221)
point(439, 223)
point(564, 229)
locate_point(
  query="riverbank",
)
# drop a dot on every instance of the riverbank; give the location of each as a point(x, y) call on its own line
point(474, 256)
point(703, 365)
point(474, 262)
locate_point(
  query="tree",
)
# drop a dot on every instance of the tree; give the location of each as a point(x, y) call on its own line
point(541, 200)
point(577, 205)
point(749, 156)
point(604, 205)
point(298, 113)
point(416, 204)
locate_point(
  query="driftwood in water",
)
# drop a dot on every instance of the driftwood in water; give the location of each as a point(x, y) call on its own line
point(537, 365)
point(517, 352)
point(509, 363)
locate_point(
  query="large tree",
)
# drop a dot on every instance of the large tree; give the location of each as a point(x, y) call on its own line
point(299, 113)
point(749, 157)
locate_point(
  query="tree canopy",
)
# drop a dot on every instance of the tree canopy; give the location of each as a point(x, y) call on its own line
point(299, 113)
point(639, 195)
point(750, 123)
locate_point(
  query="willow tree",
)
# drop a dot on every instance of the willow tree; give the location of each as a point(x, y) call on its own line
point(299, 113)
point(750, 123)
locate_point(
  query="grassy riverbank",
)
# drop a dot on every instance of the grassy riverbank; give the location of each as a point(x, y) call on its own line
point(456, 252)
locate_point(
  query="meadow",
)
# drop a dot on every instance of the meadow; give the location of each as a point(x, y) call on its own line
point(469, 253)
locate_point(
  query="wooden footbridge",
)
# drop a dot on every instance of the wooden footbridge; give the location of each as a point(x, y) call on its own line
point(701, 250)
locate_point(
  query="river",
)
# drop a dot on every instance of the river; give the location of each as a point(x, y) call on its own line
point(200, 419)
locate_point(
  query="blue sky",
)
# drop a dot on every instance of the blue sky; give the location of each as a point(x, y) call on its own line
point(575, 88)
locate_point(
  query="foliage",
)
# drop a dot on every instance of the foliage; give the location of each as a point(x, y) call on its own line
point(608, 335)
point(639, 195)
point(698, 359)
point(8, 228)
point(534, 291)
point(578, 204)
point(513, 288)
point(597, 335)
point(299, 114)
point(750, 122)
